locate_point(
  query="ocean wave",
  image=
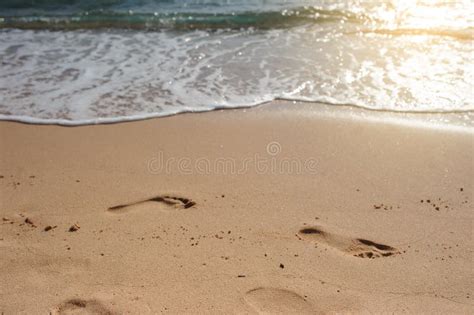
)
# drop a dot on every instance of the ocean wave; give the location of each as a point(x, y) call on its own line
point(180, 21)
point(197, 21)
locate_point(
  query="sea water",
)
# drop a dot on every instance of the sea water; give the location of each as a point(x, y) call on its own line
point(92, 61)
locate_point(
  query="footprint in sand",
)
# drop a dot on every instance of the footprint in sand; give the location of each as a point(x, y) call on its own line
point(80, 306)
point(357, 247)
point(167, 201)
point(278, 301)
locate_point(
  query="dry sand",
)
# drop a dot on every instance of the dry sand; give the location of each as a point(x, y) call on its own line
point(378, 218)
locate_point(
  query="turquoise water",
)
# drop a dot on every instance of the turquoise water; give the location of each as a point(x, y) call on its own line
point(224, 14)
point(77, 62)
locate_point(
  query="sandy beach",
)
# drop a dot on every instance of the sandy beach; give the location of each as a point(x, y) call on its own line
point(256, 211)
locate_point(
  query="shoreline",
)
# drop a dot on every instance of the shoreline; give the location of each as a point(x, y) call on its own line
point(454, 118)
point(379, 218)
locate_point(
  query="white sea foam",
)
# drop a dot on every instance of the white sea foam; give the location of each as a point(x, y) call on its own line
point(84, 77)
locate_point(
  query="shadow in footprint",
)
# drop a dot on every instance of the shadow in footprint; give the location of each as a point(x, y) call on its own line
point(81, 306)
point(278, 301)
point(357, 247)
point(169, 201)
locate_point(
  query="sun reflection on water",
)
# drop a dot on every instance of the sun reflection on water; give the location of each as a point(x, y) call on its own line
point(432, 15)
